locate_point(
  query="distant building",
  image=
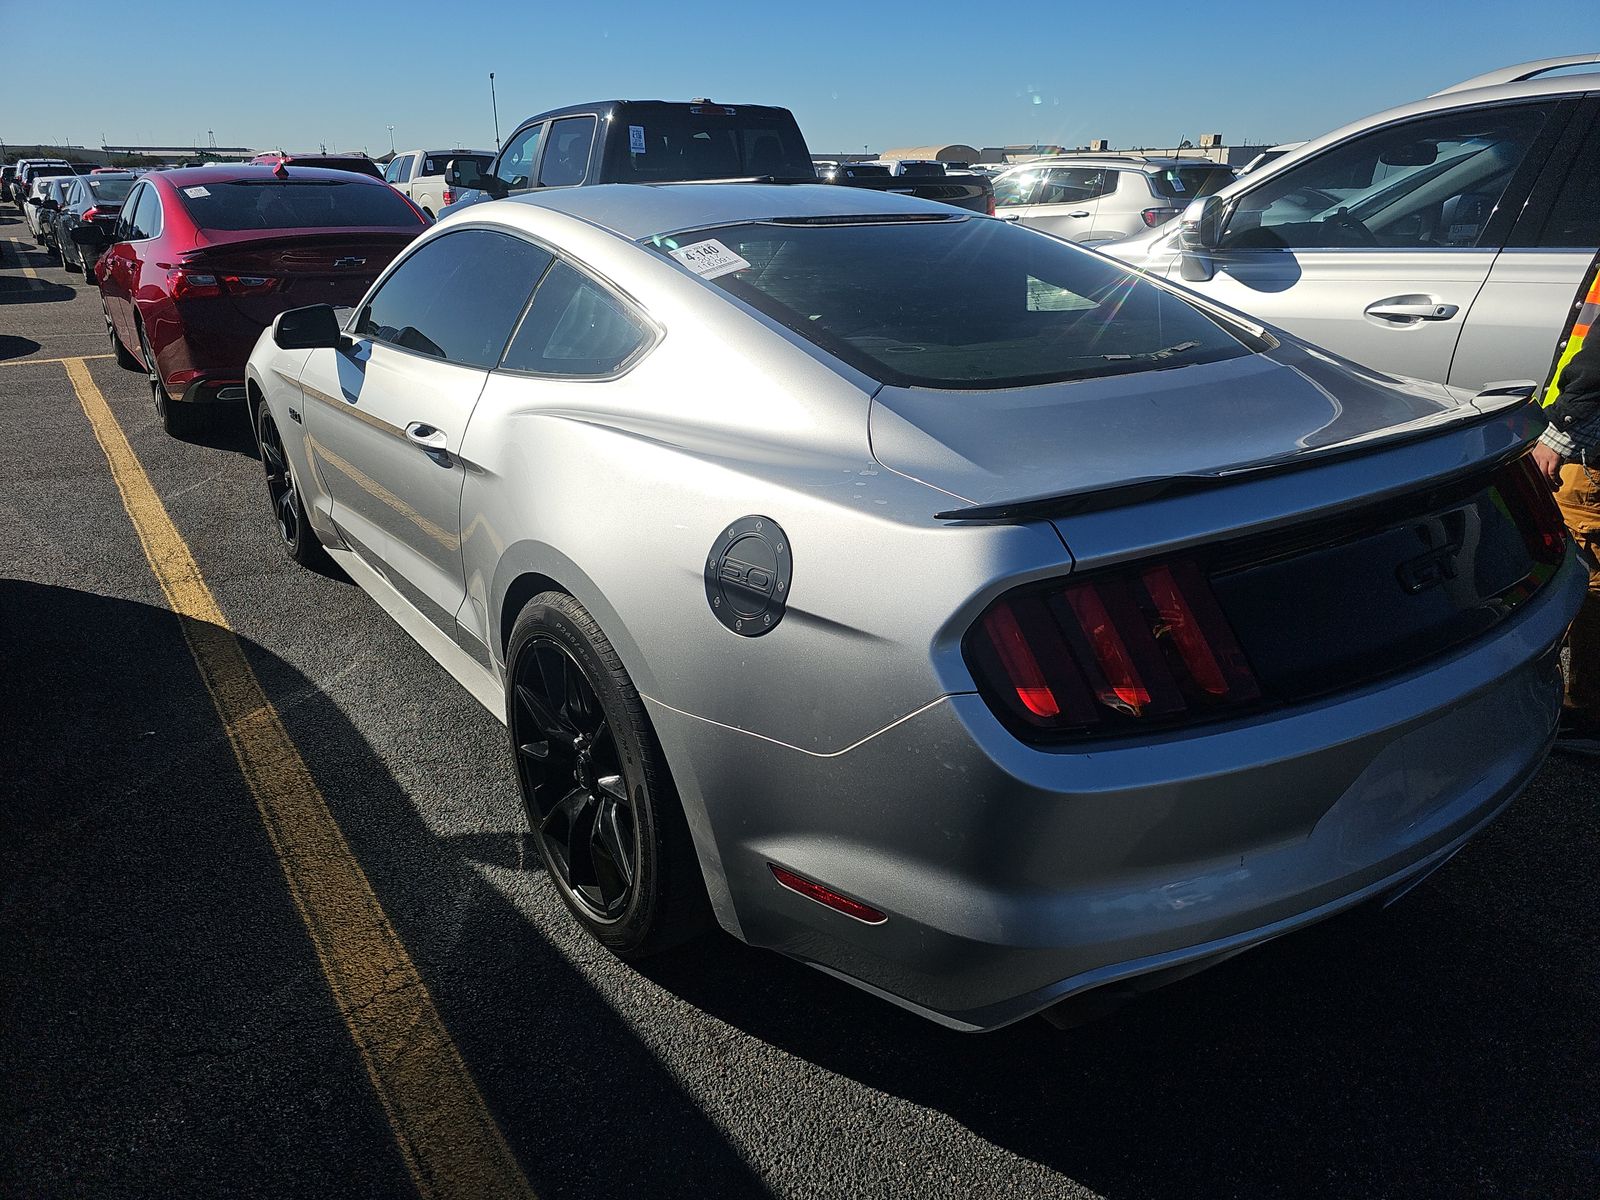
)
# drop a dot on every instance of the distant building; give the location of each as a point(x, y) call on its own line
point(955, 152)
point(179, 153)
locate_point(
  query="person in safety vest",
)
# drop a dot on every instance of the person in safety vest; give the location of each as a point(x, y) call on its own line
point(1568, 454)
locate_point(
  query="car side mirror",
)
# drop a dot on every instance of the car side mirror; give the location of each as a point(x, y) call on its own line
point(33, 200)
point(1199, 231)
point(90, 236)
point(315, 327)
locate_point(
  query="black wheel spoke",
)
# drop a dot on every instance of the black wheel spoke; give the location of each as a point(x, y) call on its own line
point(613, 848)
point(545, 719)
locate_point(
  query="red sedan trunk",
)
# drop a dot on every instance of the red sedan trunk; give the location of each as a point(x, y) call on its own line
point(203, 260)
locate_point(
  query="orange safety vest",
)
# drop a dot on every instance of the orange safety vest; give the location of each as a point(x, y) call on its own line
point(1585, 312)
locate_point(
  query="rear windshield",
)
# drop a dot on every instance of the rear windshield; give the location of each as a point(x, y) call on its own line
point(657, 142)
point(958, 303)
point(1186, 183)
point(860, 171)
point(110, 191)
point(922, 168)
point(434, 164)
point(361, 166)
point(296, 204)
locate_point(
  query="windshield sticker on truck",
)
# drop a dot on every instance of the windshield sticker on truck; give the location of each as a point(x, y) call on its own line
point(635, 139)
point(709, 259)
point(196, 193)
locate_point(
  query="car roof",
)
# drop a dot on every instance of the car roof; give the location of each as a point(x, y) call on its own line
point(190, 176)
point(1129, 162)
point(602, 107)
point(636, 211)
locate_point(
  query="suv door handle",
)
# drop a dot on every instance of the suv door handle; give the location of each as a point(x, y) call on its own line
point(1408, 310)
point(1082, 212)
point(427, 437)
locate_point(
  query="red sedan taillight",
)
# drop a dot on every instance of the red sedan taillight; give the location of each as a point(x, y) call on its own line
point(1158, 216)
point(187, 284)
point(1111, 654)
point(448, 196)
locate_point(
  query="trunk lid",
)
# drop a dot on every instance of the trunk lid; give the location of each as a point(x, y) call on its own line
point(264, 276)
point(1023, 446)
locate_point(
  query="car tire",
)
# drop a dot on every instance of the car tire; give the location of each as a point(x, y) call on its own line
point(596, 784)
point(125, 360)
point(288, 509)
point(179, 420)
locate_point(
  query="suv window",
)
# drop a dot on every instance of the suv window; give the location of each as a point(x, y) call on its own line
point(566, 158)
point(1574, 218)
point(516, 160)
point(297, 204)
point(1033, 309)
point(456, 297)
point(1185, 183)
point(1068, 185)
point(574, 327)
point(1430, 183)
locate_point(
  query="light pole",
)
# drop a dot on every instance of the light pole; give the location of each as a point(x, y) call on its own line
point(496, 105)
point(391, 141)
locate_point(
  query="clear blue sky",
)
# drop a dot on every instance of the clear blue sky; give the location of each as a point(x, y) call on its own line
point(295, 74)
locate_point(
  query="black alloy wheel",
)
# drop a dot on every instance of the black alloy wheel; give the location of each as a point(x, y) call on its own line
point(179, 420)
point(599, 797)
point(294, 531)
point(572, 774)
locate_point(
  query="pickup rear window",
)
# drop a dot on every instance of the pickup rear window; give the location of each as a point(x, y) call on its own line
point(297, 204)
point(961, 303)
point(661, 142)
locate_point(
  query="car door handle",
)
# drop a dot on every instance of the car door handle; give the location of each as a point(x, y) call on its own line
point(1410, 309)
point(1082, 212)
point(428, 438)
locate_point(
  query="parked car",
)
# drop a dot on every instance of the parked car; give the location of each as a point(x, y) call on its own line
point(359, 163)
point(201, 260)
point(1270, 154)
point(53, 190)
point(42, 188)
point(420, 175)
point(27, 169)
point(94, 199)
point(655, 141)
point(1443, 239)
point(7, 174)
point(1183, 634)
point(1101, 199)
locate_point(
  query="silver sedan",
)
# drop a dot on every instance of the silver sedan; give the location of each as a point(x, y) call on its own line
point(933, 601)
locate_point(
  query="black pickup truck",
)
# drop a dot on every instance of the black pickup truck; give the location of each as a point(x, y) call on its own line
point(658, 141)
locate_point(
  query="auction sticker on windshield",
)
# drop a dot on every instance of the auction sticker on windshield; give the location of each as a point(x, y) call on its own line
point(635, 139)
point(709, 259)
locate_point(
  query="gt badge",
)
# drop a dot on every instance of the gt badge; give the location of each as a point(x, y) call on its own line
point(747, 575)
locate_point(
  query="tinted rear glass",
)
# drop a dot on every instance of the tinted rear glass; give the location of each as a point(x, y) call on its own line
point(1185, 183)
point(922, 168)
point(434, 164)
point(963, 303)
point(296, 204)
point(111, 191)
point(865, 172)
point(682, 141)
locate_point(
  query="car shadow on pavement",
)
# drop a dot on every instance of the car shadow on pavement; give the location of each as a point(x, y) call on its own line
point(167, 1030)
point(14, 289)
point(1449, 1046)
point(12, 346)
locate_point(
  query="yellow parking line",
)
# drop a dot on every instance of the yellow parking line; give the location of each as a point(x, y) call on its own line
point(450, 1143)
point(34, 362)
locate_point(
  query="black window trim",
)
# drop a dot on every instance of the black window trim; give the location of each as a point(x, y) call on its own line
point(1538, 203)
point(1496, 229)
point(538, 158)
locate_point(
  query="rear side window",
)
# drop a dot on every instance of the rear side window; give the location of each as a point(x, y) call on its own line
point(1574, 219)
point(575, 328)
point(146, 222)
point(566, 157)
point(960, 304)
point(1185, 183)
point(297, 204)
point(456, 298)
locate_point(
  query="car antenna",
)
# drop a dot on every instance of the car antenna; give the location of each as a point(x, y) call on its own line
point(282, 169)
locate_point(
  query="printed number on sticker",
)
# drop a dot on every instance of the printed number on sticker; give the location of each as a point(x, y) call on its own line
point(709, 259)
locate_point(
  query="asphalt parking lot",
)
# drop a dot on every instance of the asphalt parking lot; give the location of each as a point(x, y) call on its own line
point(178, 1014)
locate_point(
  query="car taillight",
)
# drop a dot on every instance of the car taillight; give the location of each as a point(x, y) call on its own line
point(1111, 654)
point(89, 214)
point(186, 284)
point(1533, 508)
point(449, 197)
point(991, 204)
point(1158, 216)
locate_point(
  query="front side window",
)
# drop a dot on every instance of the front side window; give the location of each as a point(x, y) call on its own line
point(566, 158)
point(1425, 184)
point(403, 175)
point(962, 303)
point(456, 298)
point(1015, 187)
point(392, 173)
point(515, 168)
point(576, 328)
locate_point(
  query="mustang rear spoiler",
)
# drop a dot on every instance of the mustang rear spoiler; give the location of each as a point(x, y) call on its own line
point(1494, 401)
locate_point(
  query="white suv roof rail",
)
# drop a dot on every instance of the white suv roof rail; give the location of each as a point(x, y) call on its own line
point(1520, 73)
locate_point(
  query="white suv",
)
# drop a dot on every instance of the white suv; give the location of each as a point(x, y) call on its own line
point(1103, 198)
point(1444, 239)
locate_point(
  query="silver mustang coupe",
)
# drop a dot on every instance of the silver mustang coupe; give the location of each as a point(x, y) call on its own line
point(926, 598)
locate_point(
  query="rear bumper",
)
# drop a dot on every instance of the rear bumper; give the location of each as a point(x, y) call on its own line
point(1014, 877)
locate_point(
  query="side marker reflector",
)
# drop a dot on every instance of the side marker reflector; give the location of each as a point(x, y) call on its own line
point(827, 896)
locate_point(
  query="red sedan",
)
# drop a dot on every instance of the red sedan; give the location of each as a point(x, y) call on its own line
point(201, 261)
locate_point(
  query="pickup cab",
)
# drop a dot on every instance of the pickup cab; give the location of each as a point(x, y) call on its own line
point(419, 174)
point(658, 141)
